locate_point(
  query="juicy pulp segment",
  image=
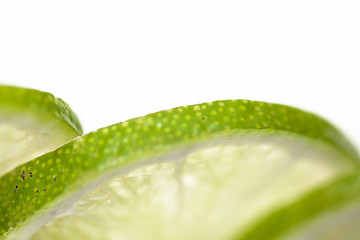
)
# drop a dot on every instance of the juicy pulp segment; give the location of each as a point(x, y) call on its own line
point(338, 224)
point(330, 209)
point(211, 192)
point(32, 123)
point(60, 174)
point(23, 138)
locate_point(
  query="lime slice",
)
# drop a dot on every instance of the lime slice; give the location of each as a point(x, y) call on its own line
point(329, 213)
point(32, 123)
point(208, 171)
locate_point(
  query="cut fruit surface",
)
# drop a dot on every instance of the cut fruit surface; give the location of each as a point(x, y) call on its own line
point(212, 191)
point(341, 223)
point(207, 171)
point(31, 124)
point(331, 212)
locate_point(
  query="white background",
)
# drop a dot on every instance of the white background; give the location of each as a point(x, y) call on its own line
point(115, 60)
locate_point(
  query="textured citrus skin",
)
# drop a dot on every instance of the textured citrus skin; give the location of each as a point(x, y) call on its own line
point(31, 186)
point(39, 103)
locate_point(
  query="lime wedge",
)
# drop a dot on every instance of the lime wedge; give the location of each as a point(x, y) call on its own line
point(31, 124)
point(209, 171)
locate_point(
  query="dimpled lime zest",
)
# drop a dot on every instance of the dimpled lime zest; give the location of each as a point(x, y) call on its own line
point(39, 181)
point(38, 103)
point(334, 197)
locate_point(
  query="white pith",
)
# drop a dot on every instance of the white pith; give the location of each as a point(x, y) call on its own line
point(210, 190)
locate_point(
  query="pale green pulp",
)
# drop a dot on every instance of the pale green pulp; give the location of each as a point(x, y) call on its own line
point(216, 190)
point(338, 224)
point(24, 137)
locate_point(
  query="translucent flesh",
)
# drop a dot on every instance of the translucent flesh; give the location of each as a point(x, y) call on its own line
point(216, 192)
point(24, 137)
point(341, 224)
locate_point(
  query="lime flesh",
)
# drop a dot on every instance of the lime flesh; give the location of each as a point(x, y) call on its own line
point(32, 123)
point(339, 224)
point(210, 192)
point(212, 170)
point(23, 138)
